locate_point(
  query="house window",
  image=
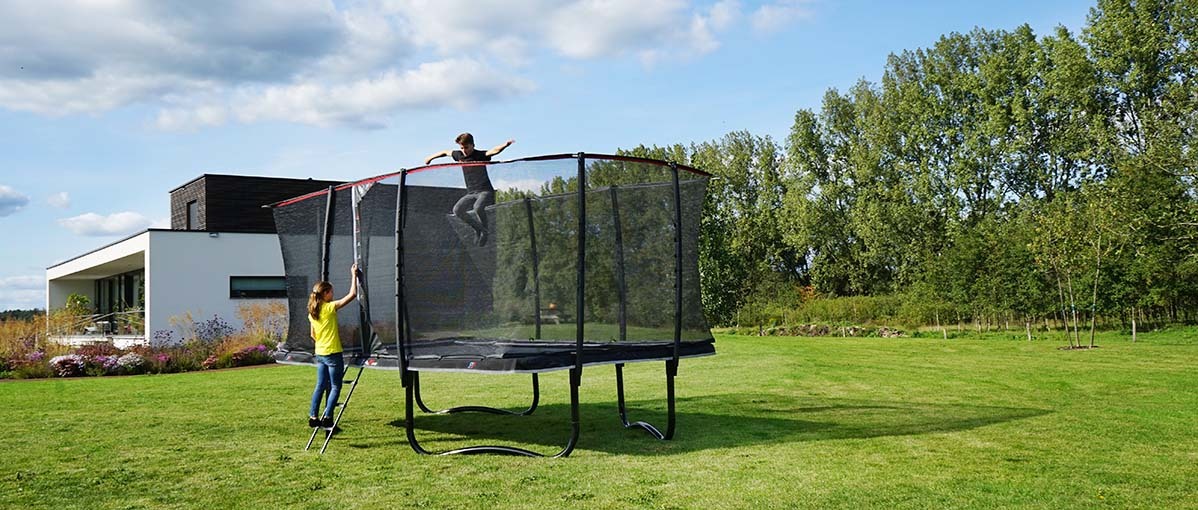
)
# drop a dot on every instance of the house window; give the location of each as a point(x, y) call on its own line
point(250, 287)
point(193, 215)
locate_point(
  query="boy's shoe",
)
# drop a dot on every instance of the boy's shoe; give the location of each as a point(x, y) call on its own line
point(326, 422)
point(313, 422)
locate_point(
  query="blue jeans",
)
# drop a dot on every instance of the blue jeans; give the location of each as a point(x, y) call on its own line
point(330, 370)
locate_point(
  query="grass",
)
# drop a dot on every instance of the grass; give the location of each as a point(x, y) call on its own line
point(769, 422)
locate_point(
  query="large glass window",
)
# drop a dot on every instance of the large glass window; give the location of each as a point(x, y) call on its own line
point(122, 292)
point(249, 287)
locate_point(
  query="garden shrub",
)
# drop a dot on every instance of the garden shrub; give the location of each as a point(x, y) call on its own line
point(68, 365)
point(130, 364)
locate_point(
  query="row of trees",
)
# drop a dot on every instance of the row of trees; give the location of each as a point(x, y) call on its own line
point(995, 174)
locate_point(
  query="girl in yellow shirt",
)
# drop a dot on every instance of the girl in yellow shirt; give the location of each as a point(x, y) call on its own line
point(330, 365)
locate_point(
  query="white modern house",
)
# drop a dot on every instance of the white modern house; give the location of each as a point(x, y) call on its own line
point(220, 252)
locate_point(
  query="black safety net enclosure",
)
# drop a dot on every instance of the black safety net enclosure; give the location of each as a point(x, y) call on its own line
point(527, 266)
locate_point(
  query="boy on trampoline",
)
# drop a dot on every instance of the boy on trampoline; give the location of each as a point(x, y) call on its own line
point(479, 192)
point(330, 364)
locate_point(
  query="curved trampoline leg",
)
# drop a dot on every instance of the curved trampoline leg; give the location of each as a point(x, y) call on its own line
point(671, 371)
point(536, 398)
point(411, 393)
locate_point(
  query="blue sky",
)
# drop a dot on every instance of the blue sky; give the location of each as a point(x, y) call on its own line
point(106, 105)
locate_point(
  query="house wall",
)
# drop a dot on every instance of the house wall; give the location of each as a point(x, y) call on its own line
point(188, 272)
point(58, 290)
point(193, 190)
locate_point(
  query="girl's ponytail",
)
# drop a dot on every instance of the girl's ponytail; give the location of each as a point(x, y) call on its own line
point(315, 298)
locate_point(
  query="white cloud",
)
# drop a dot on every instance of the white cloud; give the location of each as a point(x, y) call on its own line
point(61, 200)
point(365, 103)
point(92, 224)
point(533, 185)
point(11, 201)
point(22, 292)
point(22, 282)
point(209, 63)
point(724, 13)
point(772, 17)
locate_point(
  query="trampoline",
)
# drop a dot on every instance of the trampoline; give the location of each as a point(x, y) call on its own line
point(588, 259)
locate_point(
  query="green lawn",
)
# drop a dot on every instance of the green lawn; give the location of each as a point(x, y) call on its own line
point(769, 422)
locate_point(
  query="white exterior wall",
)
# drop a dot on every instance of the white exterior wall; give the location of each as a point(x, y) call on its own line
point(58, 290)
point(189, 272)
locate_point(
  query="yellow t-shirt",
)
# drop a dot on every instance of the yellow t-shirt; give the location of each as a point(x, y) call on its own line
point(328, 340)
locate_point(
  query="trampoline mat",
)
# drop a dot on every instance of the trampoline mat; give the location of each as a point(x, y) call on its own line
point(489, 355)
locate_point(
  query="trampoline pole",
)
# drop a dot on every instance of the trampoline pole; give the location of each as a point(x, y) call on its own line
point(677, 265)
point(536, 276)
point(576, 373)
point(672, 365)
point(580, 299)
point(621, 289)
point(400, 317)
point(327, 234)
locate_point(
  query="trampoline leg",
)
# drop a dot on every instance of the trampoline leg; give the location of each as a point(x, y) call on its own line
point(671, 371)
point(536, 398)
point(410, 395)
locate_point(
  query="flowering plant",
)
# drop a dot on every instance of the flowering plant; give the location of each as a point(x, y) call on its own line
point(252, 355)
point(68, 365)
point(130, 363)
point(211, 362)
point(104, 363)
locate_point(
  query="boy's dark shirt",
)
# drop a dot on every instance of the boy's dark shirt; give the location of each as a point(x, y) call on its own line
point(475, 175)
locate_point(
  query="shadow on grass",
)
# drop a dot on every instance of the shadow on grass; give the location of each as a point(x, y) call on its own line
point(703, 422)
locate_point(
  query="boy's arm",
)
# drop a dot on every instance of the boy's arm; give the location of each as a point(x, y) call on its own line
point(499, 148)
point(435, 156)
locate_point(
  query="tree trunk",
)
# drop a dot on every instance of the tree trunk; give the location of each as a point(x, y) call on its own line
point(1064, 308)
point(1094, 295)
point(943, 331)
point(1133, 325)
point(1028, 327)
point(1077, 337)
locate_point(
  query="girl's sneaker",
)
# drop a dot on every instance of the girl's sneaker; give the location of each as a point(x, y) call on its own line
point(313, 421)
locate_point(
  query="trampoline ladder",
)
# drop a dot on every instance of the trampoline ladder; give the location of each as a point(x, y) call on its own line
point(340, 406)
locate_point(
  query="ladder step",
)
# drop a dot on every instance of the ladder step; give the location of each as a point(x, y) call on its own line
point(348, 381)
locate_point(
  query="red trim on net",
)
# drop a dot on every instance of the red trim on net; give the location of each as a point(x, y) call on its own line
point(339, 187)
point(551, 157)
point(548, 157)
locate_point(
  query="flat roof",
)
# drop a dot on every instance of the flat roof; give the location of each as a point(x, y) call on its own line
point(114, 243)
point(253, 177)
